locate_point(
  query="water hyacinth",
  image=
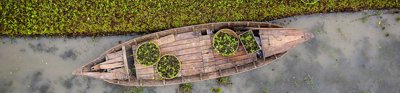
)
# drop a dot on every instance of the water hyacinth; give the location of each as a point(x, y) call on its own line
point(168, 67)
point(225, 42)
point(147, 54)
point(249, 42)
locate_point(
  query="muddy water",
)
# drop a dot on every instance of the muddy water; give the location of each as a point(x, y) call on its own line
point(350, 53)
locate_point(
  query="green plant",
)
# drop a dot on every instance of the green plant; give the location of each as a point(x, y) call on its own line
point(134, 90)
point(398, 19)
point(224, 80)
point(310, 2)
point(225, 42)
point(249, 42)
point(216, 90)
point(98, 18)
point(185, 88)
point(266, 90)
point(148, 53)
point(168, 67)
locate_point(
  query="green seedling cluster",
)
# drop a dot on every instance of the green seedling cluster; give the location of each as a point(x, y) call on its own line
point(168, 67)
point(185, 88)
point(216, 90)
point(147, 54)
point(224, 80)
point(97, 17)
point(249, 42)
point(225, 43)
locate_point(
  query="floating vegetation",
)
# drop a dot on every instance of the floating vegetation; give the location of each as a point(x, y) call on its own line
point(398, 19)
point(93, 17)
point(266, 90)
point(185, 88)
point(134, 90)
point(224, 80)
point(310, 2)
point(216, 90)
point(309, 81)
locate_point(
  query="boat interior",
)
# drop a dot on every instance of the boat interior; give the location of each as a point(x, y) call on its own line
point(193, 47)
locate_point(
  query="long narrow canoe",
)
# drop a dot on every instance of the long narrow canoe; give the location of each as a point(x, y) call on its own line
point(192, 45)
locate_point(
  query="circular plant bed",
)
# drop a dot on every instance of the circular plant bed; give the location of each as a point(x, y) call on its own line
point(148, 53)
point(226, 42)
point(168, 67)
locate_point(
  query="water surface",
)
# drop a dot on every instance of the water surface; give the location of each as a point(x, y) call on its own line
point(350, 53)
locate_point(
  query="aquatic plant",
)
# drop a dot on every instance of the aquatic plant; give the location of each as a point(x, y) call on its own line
point(266, 90)
point(398, 19)
point(224, 80)
point(310, 2)
point(185, 88)
point(168, 67)
point(147, 54)
point(225, 42)
point(134, 90)
point(249, 42)
point(216, 90)
point(94, 17)
point(309, 81)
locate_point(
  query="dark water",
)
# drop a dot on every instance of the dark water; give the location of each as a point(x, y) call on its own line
point(351, 52)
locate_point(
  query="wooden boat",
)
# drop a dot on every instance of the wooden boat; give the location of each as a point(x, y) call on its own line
point(192, 46)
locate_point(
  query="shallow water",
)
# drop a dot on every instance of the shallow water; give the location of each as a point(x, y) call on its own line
point(349, 54)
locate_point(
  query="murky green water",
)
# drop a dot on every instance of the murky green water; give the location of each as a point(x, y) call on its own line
point(350, 53)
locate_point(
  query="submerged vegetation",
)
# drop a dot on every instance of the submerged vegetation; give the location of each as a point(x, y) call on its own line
point(225, 42)
point(147, 54)
point(93, 17)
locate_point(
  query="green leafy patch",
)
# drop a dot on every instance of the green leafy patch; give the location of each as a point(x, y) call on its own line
point(147, 54)
point(249, 42)
point(225, 42)
point(216, 90)
point(185, 88)
point(168, 67)
point(97, 17)
point(224, 81)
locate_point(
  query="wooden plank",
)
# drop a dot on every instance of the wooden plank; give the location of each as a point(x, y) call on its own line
point(125, 61)
point(185, 46)
point(107, 66)
point(118, 70)
point(165, 40)
point(186, 35)
point(191, 61)
point(145, 71)
point(103, 75)
point(180, 42)
point(190, 57)
point(211, 75)
point(115, 60)
point(113, 55)
point(192, 65)
point(189, 72)
point(188, 51)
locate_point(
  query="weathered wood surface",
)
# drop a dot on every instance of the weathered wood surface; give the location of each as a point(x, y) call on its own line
point(274, 41)
point(209, 59)
point(113, 55)
point(196, 55)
